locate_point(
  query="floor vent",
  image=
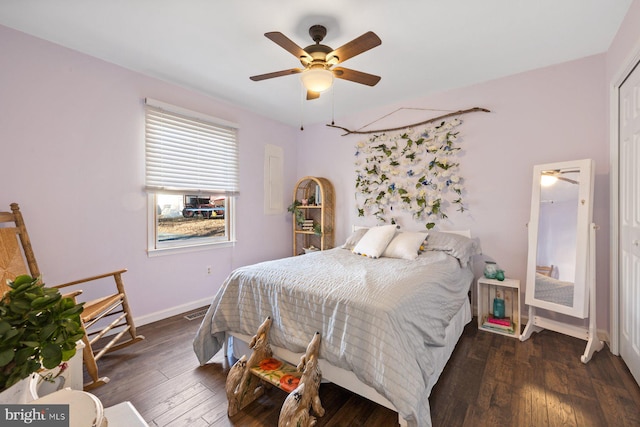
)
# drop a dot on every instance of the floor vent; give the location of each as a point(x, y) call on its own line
point(196, 314)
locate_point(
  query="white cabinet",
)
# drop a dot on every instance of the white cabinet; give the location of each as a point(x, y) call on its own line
point(509, 291)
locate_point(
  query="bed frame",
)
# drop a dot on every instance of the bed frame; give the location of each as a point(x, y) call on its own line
point(348, 380)
point(331, 373)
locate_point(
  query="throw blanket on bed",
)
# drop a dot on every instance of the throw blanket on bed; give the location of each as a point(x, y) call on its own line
point(378, 317)
point(554, 290)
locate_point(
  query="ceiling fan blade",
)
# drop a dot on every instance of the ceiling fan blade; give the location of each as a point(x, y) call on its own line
point(355, 76)
point(276, 74)
point(288, 45)
point(572, 181)
point(559, 171)
point(312, 95)
point(355, 47)
point(558, 175)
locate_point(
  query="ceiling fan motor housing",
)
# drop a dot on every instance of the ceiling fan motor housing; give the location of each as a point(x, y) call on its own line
point(319, 54)
point(317, 33)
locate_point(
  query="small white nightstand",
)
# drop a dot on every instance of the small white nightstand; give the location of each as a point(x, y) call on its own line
point(510, 291)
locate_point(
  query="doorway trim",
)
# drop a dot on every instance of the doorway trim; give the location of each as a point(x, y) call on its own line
point(619, 77)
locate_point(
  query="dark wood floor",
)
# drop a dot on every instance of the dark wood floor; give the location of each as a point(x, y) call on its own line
point(491, 380)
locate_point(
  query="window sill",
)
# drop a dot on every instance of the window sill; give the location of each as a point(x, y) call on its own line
point(187, 249)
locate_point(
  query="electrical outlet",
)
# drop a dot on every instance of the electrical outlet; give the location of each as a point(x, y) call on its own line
point(208, 270)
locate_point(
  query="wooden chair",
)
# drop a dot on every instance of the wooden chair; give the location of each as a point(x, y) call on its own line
point(544, 269)
point(108, 315)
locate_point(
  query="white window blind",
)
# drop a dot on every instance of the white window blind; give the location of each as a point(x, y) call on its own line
point(187, 152)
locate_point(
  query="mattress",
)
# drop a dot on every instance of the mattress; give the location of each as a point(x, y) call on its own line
point(347, 379)
point(554, 290)
point(386, 320)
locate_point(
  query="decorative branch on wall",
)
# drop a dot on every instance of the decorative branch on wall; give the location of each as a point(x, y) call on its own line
point(444, 116)
point(415, 171)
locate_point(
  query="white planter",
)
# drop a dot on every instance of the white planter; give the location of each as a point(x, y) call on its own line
point(18, 393)
point(71, 377)
point(40, 387)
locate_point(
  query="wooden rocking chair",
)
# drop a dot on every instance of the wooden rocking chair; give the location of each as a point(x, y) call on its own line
point(15, 246)
point(545, 270)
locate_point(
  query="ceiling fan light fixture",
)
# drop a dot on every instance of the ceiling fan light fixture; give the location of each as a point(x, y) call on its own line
point(548, 180)
point(317, 79)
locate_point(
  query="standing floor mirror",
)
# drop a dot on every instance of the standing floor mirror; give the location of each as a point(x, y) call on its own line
point(561, 258)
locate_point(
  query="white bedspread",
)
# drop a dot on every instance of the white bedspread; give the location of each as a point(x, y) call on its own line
point(554, 290)
point(378, 317)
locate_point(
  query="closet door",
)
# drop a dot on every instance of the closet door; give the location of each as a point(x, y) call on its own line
point(629, 221)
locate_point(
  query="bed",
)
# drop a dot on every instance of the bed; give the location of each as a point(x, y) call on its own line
point(388, 324)
point(554, 290)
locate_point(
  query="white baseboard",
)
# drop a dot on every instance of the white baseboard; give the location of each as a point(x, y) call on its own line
point(171, 311)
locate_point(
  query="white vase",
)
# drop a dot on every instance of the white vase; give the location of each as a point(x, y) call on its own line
point(42, 387)
point(18, 393)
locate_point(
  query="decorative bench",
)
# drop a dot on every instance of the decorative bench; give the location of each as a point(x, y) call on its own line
point(242, 387)
point(246, 380)
point(277, 373)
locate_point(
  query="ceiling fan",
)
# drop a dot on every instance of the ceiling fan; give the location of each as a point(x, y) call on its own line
point(557, 174)
point(318, 60)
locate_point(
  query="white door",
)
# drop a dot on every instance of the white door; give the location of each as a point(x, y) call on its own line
point(629, 268)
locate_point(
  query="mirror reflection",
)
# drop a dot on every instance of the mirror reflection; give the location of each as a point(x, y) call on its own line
point(561, 213)
point(561, 258)
point(557, 235)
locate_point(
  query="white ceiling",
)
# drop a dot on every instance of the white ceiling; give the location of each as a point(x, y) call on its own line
point(427, 45)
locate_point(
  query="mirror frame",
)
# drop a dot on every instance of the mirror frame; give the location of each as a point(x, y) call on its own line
point(580, 307)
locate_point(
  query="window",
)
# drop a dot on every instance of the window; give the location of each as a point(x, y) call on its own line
point(191, 163)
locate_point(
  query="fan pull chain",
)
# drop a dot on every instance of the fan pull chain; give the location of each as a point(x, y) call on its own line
point(302, 92)
point(333, 104)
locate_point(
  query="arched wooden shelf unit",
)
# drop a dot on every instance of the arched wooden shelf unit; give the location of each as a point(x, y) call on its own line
point(317, 212)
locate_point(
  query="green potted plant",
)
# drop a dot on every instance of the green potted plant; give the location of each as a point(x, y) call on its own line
point(39, 329)
point(317, 229)
point(298, 215)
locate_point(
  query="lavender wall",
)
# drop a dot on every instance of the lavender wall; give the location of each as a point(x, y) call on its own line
point(72, 132)
point(557, 238)
point(72, 156)
point(548, 115)
point(626, 44)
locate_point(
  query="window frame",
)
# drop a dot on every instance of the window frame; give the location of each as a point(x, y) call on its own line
point(189, 245)
point(155, 247)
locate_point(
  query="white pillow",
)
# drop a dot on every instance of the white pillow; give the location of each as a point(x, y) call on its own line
point(405, 245)
point(375, 241)
point(355, 237)
point(458, 246)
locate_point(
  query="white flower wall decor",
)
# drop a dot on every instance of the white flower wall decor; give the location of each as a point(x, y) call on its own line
point(415, 171)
